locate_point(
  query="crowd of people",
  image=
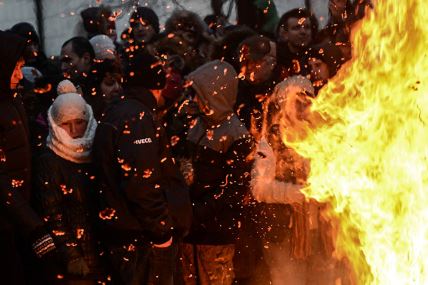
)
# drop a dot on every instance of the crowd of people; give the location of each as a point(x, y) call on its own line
point(160, 157)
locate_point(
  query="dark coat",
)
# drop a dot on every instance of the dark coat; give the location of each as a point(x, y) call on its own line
point(141, 186)
point(64, 193)
point(252, 97)
point(16, 215)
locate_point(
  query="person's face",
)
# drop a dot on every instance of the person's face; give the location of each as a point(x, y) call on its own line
point(17, 74)
point(111, 86)
point(259, 71)
point(72, 65)
point(143, 31)
point(319, 70)
point(75, 128)
point(297, 34)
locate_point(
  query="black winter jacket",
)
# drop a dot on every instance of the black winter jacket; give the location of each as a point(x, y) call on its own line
point(143, 194)
point(19, 223)
point(15, 154)
point(64, 193)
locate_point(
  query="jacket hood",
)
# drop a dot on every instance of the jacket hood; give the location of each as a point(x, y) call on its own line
point(216, 86)
point(11, 49)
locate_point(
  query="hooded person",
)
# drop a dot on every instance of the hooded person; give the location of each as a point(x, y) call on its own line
point(64, 186)
point(34, 55)
point(297, 246)
point(20, 226)
point(219, 148)
point(146, 205)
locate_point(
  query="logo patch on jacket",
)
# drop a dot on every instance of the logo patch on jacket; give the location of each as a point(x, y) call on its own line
point(143, 141)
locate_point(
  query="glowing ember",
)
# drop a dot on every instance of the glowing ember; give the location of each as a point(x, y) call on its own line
point(107, 214)
point(147, 173)
point(369, 157)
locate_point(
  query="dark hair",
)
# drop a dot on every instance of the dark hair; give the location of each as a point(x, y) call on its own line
point(94, 17)
point(227, 48)
point(147, 14)
point(254, 48)
point(298, 13)
point(80, 46)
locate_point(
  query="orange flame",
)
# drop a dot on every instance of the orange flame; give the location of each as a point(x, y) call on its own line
point(369, 158)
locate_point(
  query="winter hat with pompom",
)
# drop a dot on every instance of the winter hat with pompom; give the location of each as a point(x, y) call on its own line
point(68, 105)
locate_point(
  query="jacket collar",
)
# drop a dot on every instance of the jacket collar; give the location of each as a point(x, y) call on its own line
point(142, 95)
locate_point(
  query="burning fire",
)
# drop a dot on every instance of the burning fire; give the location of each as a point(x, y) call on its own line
point(369, 156)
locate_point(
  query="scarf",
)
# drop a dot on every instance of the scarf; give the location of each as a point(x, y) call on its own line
point(74, 150)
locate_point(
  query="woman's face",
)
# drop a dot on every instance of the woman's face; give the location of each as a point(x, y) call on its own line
point(111, 86)
point(75, 128)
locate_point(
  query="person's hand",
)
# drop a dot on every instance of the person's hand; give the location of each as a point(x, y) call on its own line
point(164, 245)
point(78, 267)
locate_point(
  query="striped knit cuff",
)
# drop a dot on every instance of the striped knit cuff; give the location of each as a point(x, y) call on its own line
point(43, 245)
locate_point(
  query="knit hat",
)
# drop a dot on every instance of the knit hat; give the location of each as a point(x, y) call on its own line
point(146, 14)
point(68, 105)
point(145, 70)
point(104, 47)
point(27, 31)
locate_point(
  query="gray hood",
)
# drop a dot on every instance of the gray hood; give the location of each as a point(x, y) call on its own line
point(216, 86)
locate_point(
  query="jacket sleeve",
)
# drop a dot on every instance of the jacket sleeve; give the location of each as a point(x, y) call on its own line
point(236, 183)
point(15, 205)
point(176, 190)
point(49, 197)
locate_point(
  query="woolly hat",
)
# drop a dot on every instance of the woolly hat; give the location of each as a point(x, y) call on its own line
point(146, 14)
point(68, 105)
point(27, 31)
point(145, 70)
point(103, 47)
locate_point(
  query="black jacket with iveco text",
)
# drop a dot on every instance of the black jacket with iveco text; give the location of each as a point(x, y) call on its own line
point(143, 194)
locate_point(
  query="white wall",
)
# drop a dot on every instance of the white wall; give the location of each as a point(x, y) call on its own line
point(61, 17)
point(15, 11)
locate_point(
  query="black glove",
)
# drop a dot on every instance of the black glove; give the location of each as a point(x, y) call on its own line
point(78, 267)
